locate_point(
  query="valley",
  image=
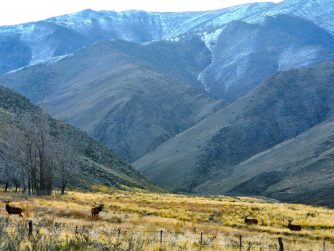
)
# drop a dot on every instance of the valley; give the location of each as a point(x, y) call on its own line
point(198, 102)
point(140, 130)
point(279, 110)
point(236, 101)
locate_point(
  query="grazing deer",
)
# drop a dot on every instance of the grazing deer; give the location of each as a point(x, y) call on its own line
point(96, 211)
point(293, 227)
point(13, 210)
point(250, 221)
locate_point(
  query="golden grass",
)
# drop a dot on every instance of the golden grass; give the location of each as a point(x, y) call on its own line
point(65, 222)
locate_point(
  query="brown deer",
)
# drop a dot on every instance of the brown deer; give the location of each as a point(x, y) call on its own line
point(250, 221)
point(96, 211)
point(13, 210)
point(293, 227)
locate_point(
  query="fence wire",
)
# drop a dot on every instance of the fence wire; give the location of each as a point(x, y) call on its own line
point(170, 238)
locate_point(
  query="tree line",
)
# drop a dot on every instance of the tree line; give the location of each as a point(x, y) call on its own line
point(35, 157)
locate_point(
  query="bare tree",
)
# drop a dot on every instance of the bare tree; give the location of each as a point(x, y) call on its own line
point(31, 158)
point(9, 155)
point(66, 154)
point(45, 154)
point(38, 170)
point(6, 171)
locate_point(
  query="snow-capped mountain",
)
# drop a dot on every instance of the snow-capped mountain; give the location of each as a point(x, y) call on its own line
point(64, 34)
point(166, 91)
point(238, 37)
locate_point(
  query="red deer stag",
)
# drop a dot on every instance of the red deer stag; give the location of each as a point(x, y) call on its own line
point(250, 221)
point(293, 227)
point(96, 211)
point(13, 210)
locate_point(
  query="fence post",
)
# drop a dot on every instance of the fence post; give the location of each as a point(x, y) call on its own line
point(240, 242)
point(280, 242)
point(160, 237)
point(118, 234)
point(30, 227)
point(324, 246)
point(201, 241)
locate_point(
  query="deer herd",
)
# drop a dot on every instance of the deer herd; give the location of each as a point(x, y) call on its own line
point(96, 210)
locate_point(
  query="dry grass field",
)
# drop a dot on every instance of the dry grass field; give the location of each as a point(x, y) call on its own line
point(133, 220)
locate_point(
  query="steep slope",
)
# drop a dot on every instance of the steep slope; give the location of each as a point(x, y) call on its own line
point(98, 165)
point(281, 108)
point(298, 170)
point(11, 47)
point(130, 97)
point(318, 11)
point(279, 43)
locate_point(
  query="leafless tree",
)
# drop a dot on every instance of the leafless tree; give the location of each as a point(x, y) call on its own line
point(9, 155)
point(30, 157)
point(38, 171)
point(45, 154)
point(66, 154)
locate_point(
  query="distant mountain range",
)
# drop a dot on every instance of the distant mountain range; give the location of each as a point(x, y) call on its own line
point(272, 32)
point(203, 102)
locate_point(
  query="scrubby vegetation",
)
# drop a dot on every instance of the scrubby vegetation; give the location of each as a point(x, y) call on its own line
point(38, 153)
point(134, 219)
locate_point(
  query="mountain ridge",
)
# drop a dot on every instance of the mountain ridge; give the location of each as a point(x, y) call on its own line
point(190, 98)
point(267, 116)
point(130, 97)
point(61, 35)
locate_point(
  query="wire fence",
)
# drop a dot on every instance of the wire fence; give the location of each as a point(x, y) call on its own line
point(216, 241)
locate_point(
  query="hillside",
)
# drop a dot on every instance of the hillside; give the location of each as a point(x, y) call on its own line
point(128, 96)
point(282, 107)
point(268, 36)
point(97, 164)
point(136, 220)
point(299, 170)
point(188, 69)
point(279, 43)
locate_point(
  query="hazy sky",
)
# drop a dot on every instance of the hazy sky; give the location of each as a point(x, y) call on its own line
point(19, 11)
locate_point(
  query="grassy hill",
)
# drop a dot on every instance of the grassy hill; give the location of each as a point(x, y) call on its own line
point(97, 164)
point(281, 108)
point(133, 220)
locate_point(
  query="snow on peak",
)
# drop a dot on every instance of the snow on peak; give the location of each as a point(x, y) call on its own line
point(210, 38)
point(48, 61)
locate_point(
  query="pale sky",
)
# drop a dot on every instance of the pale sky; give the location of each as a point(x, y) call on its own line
point(20, 11)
